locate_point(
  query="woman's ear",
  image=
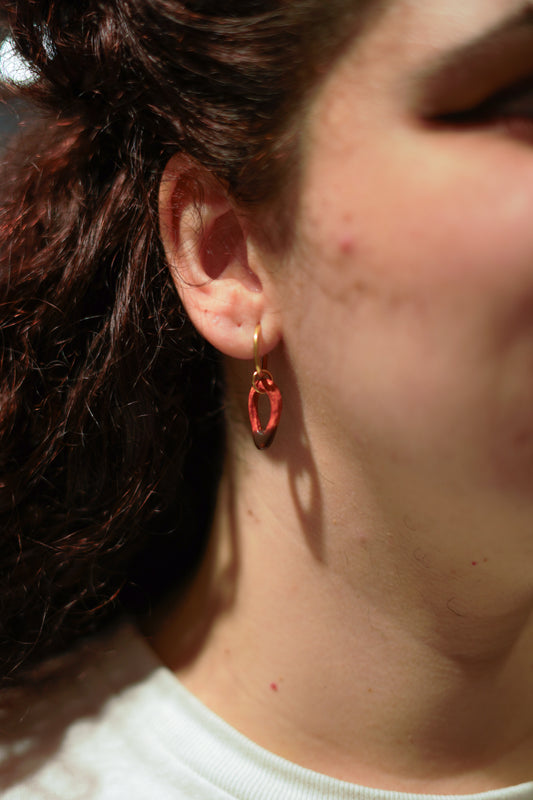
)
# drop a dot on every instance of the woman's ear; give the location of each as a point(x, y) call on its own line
point(219, 278)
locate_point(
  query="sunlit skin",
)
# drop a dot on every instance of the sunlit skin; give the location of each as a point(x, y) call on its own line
point(365, 609)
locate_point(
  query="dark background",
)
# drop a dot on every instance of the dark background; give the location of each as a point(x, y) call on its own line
point(10, 112)
point(8, 122)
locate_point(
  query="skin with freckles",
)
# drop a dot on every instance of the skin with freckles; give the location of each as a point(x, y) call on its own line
point(376, 565)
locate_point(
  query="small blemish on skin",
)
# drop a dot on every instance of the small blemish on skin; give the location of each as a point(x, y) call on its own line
point(474, 563)
point(274, 687)
point(347, 245)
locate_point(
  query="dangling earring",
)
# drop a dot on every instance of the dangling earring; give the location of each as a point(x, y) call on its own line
point(263, 383)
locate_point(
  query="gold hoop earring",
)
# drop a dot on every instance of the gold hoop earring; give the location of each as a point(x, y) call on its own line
point(263, 383)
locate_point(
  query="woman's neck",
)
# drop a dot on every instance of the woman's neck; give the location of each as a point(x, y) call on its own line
point(326, 635)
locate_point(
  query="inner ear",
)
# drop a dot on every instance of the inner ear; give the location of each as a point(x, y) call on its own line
point(223, 247)
point(221, 244)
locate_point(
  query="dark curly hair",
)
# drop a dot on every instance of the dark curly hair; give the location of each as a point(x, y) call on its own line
point(111, 408)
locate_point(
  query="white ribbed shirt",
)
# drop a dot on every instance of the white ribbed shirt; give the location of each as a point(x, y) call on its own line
point(124, 728)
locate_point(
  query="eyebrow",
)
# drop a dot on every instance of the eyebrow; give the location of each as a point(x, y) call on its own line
point(488, 62)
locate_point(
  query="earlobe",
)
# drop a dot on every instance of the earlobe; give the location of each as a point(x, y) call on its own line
point(208, 252)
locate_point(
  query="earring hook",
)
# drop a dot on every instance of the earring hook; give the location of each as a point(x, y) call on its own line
point(257, 359)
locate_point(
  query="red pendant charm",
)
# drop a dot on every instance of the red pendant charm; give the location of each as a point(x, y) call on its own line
point(263, 383)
